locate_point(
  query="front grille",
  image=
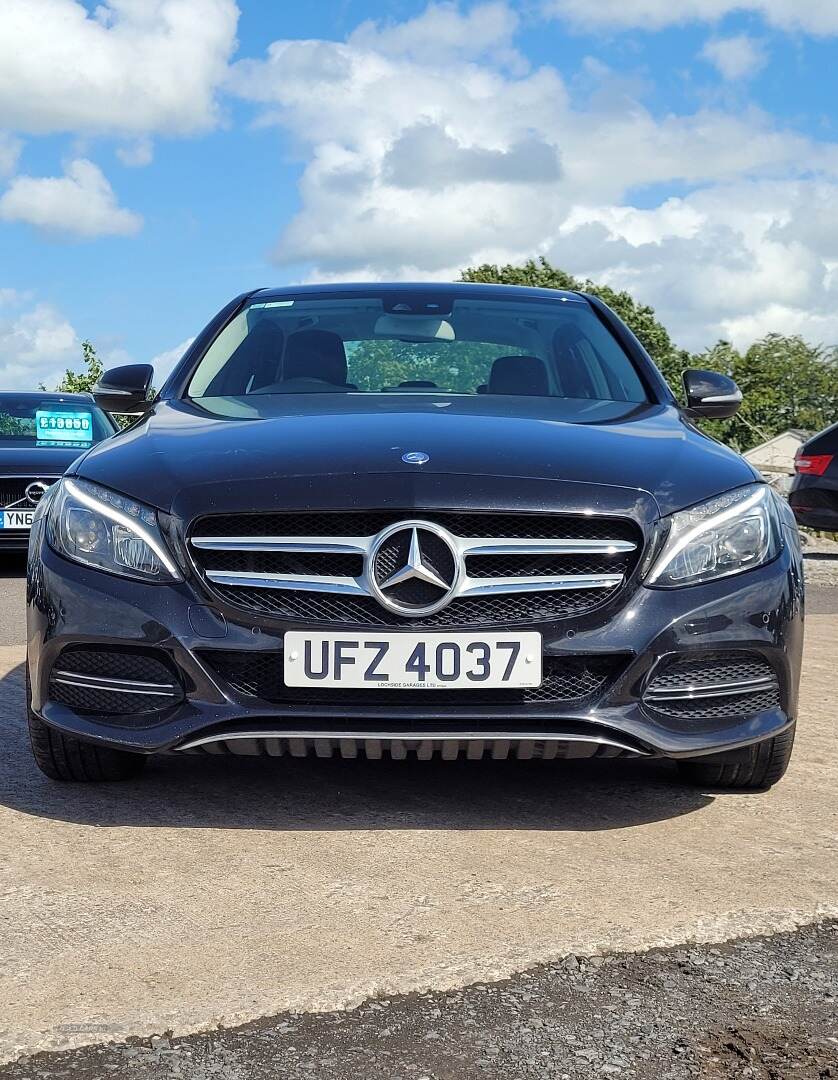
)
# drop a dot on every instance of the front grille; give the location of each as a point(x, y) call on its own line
point(479, 605)
point(13, 491)
point(112, 681)
point(714, 686)
point(566, 680)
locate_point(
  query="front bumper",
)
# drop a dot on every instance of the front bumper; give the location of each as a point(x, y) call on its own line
point(760, 612)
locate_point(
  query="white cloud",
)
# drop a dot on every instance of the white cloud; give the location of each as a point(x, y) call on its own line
point(80, 203)
point(727, 261)
point(10, 148)
point(737, 57)
point(136, 155)
point(36, 345)
point(818, 17)
point(419, 162)
point(164, 362)
point(127, 67)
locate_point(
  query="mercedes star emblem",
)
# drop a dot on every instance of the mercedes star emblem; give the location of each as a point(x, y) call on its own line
point(414, 568)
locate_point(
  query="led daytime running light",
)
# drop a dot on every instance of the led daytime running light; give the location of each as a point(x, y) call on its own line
point(125, 520)
point(738, 509)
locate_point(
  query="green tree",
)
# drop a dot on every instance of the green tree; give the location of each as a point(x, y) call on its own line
point(785, 383)
point(639, 317)
point(452, 365)
point(82, 382)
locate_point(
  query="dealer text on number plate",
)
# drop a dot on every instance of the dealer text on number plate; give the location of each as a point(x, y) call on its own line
point(413, 661)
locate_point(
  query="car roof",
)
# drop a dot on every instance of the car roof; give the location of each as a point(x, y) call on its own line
point(457, 288)
point(43, 395)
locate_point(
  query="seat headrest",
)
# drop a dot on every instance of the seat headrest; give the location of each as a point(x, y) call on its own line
point(315, 354)
point(518, 375)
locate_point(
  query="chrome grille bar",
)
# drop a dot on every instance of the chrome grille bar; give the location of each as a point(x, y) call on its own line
point(304, 582)
point(361, 545)
point(340, 545)
point(358, 587)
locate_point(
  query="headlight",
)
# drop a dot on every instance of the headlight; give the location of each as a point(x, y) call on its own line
point(101, 528)
point(727, 535)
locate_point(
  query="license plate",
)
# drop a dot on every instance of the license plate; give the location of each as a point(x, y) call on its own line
point(413, 661)
point(16, 519)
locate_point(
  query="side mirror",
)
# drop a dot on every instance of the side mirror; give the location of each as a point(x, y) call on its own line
point(124, 389)
point(710, 394)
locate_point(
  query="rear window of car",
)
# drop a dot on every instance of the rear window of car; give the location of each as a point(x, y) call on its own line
point(378, 345)
point(36, 420)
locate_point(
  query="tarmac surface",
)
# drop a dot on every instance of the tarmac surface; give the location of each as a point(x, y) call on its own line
point(762, 1009)
point(217, 892)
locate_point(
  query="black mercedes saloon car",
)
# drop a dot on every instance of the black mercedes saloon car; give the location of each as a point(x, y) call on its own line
point(414, 521)
point(814, 490)
point(41, 435)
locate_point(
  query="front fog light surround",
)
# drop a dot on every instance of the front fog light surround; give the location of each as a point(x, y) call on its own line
point(98, 527)
point(726, 535)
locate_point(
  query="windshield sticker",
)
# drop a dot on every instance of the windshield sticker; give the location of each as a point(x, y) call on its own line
point(273, 303)
point(65, 427)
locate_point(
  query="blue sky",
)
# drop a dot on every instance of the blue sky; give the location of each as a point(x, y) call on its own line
point(159, 156)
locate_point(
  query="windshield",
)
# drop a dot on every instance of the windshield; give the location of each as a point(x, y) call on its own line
point(42, 420)
point(418, 344)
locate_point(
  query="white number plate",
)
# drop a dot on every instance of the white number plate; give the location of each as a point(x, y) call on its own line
point(413, 661)
point(16, 519)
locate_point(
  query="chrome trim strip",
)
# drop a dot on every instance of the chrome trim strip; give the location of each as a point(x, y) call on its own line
point(303, 582)
point(417, 737)
point(115, 686)
point(711, 690)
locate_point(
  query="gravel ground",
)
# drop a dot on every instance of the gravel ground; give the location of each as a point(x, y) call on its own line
point(820, 570)
point(758, 1008)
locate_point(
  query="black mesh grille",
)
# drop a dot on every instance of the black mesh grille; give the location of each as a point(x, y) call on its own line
point(710, 670)
point(283, 562)
point(489, 566)
point(508, 609)
point(259, 675)
point(131, 665)
point(537, 526)
point(84, 699)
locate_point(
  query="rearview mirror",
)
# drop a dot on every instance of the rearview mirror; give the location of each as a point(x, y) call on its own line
point(420, 327)
point(710, 395)
point(124, 389)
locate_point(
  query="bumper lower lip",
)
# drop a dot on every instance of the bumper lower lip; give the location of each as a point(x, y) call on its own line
point(760, 611)
point(424, 744)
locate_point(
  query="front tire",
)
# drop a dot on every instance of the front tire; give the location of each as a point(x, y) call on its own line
point(760, 767)
point(64, 757)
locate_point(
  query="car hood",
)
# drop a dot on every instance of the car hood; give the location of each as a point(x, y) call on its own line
point(336, 451)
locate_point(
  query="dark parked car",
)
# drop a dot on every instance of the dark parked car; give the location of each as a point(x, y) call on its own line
point(814, 490)
point(40, 435)
point(442, 520)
